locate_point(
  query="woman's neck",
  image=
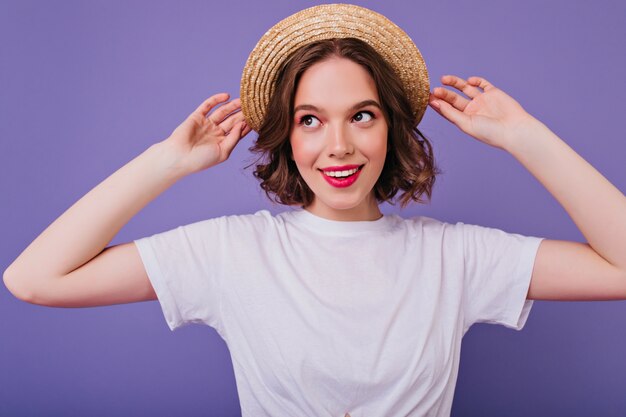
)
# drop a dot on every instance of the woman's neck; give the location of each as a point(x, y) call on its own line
point(365, 211)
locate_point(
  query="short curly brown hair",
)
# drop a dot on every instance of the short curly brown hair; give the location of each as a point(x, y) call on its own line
point(409, 165)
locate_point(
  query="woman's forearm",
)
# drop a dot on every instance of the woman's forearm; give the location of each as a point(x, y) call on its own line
point(204, 139)
point(595, 205)
point(89, 225)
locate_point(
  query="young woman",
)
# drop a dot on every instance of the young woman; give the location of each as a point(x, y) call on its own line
point(333, 308)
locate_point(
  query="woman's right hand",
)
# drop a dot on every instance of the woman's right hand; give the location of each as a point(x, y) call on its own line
point(201, 142)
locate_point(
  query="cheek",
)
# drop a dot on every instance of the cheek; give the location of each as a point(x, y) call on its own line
point(375, 147)
point(381, 149)
point(304, 151)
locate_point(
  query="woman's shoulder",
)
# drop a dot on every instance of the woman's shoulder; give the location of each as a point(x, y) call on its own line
point(259, 217)
point(432, 229)
point(468, 232)
point(426, 223)
point(434, 223)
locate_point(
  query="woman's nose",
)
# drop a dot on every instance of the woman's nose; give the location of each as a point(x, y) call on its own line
point(339, 142)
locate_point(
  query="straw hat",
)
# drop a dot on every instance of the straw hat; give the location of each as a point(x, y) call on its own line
point(329, 21)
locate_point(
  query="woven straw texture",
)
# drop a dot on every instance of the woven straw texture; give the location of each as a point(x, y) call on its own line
point(329, 21)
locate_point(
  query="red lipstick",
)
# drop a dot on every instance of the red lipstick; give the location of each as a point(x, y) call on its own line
point(341, 168)
point(342, 182)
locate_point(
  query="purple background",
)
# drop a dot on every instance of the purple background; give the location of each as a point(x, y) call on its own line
point(87, 86)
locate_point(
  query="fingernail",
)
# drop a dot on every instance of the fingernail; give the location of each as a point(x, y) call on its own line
point(435, 103)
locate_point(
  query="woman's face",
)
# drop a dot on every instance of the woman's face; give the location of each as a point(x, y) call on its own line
point(339, 139)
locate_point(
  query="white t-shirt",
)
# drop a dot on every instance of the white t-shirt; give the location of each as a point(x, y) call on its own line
point(324, 318)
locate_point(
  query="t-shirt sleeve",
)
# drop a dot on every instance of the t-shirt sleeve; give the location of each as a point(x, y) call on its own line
point(498, 269)
point(182, 270)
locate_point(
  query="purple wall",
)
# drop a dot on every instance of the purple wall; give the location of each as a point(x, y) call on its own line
point(87, 86)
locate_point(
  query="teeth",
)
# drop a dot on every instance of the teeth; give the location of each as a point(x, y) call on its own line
point(341, 173)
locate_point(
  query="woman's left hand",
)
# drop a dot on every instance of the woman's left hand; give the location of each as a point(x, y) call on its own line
point(489, 115)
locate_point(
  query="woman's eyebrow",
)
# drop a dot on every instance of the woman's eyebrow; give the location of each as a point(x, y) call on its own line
point(353, 108)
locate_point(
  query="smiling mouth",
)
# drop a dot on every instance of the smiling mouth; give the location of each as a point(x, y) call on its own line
point(338, 173)
point(342, 179)
point(342, 174)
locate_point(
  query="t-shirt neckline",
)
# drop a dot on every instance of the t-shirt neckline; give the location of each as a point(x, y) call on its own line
point(320, 224)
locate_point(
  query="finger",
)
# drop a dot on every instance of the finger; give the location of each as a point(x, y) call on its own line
point(449, 112)
point(211, 102)
point(231, 121)
point(246, 130)
point(451, 97)
point(436, 104)
point(236, 133)
point(480, 82)
point(224, 110)
point(460, 84)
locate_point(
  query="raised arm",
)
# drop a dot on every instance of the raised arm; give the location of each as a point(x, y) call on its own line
point(563, 270)
point(67, 265)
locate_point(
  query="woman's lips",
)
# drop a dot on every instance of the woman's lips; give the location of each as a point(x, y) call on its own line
point(341, 168)
point(342, 182)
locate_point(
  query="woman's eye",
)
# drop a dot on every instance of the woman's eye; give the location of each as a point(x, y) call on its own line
point(363, 116)
point(309, 121)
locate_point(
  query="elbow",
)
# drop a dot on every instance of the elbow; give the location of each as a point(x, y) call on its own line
point(15, 285)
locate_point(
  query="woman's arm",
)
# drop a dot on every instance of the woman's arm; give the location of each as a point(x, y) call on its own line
point(56, 266)
point(563, 270)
